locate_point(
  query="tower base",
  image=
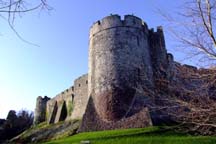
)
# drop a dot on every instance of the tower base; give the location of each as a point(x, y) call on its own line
point(92, 122)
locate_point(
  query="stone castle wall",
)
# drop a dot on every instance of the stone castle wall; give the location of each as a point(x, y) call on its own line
point(130, 75)
point(59, 107)
point(67, 105)
point(123, 58)
point(80, 97)
point(40, 110)
point(120, 59)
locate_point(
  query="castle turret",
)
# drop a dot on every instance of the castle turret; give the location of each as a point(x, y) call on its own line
point(158, 48)
point(40, 110)
point(119, 60)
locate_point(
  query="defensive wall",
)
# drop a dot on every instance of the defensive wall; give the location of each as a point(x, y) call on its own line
point(130, 75)
point(67, 105)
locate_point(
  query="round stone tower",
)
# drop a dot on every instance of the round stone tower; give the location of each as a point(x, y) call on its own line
point(119, 61)
point(40, 110)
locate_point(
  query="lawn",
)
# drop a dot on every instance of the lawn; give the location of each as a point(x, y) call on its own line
point(151, 135)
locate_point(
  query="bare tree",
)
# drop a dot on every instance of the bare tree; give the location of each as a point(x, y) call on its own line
point(194, 28)
point(11, 9)
point(189, 100)
point(193, 25)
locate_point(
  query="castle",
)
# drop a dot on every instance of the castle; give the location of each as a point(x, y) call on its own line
point(129, 71)
point(67, 105)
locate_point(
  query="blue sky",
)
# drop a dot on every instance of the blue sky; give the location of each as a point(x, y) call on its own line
point(28, 71)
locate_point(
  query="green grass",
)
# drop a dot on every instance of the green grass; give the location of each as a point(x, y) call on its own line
point(151, 135)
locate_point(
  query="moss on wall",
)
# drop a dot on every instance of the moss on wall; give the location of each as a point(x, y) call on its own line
point(70, 107)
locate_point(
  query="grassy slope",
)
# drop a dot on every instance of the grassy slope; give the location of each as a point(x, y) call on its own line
point(44, 132)
point(151, 135)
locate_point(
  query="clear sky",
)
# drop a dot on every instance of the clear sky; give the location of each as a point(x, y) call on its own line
point(27, 71)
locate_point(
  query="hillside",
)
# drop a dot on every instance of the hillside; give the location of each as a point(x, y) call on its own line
point(151, 135)
point(45, 132)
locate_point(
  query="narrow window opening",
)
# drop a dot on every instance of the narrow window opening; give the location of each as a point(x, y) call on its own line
point(98, 22)
point(134, 22)
point(72, 97)
point(138, 72)
point(138, 43)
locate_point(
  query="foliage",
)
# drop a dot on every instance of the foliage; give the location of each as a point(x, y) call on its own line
point(16, 123)
point(70, 107)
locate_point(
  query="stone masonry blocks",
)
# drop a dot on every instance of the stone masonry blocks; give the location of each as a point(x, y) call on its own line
point(118, 52)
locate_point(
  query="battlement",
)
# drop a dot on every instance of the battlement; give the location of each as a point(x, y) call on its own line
point(81, 81)
point(40, 110)
point(41, 99)
point(130, 72)
point(64, 94)
point(81, 96)
point(73, 99)
point(158, 30)
point(114, 21)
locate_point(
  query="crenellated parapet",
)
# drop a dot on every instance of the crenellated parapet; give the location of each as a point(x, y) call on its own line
point(70, 103)
point(129, 82)
point(158, 47)
point(59, 108)
point(124, 58)
point(40, 110)
point(123, 54)
point(80, 97)
point(114, 21)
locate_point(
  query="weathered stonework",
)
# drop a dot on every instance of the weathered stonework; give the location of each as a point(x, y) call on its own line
point(80, 97)
point(131, 81)
point(59, 103)
point(119, 60)
point(93, 122)
point(40, 110)
point(69, 104)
